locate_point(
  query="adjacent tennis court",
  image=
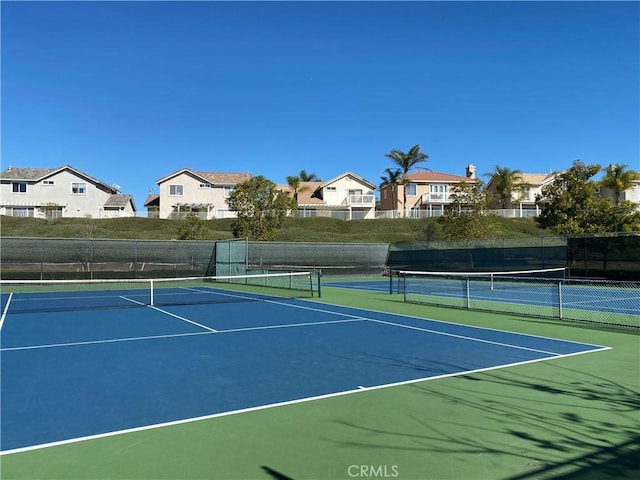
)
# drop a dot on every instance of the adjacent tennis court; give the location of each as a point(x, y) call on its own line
point(112, 360)
point(542, 293)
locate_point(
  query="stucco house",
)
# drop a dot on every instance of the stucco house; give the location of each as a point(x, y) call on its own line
point(522, 202)
point(203, 193)
point(347, 196)
point(428, 193)
point(60, 192)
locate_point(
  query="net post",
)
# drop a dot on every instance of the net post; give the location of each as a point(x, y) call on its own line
point(319, 273)
point(151, 302)
point(404, 284)
point(468, 292)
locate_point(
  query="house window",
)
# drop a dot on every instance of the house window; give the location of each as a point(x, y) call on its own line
point(355, 192)
point(438, 192)
point(176, 190)
point(330, 189)
point(79, 188)
point(48, 182)
point(22, 212)
point(19, 187)
point(227, 191)
point(411, 189)
point(205, 185)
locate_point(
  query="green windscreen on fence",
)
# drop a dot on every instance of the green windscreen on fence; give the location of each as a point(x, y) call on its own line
point(503, 254)
point(606, 256)
point(230, 257)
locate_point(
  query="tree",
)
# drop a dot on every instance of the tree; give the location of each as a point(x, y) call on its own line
point(506, 182)
point(392, 178)
point(191, 228)
point(261, 209)
point(294, 182)
point(570, 204)
point(308, 177)
point(406, 161)
point(468, 217)
point(618, 179)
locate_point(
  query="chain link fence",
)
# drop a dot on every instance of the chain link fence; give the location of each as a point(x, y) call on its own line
point(51, 259)
point(605, 256)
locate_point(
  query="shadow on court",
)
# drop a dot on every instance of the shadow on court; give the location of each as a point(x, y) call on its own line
point(275, 474)
point(558, 423)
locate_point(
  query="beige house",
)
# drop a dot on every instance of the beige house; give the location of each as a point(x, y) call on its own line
point(428, 194)
point(347, 196)
point(631, 194)
point(60, 192)
point(204, 193)
point(522, 202)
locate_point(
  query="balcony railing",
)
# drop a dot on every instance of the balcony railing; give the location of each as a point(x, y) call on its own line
point(436, 197)
point(360, 201)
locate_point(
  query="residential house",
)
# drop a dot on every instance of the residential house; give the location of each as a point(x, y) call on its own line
point(428, 194)
point(60, 192)
point(347, 196)
point(203, 193)
point(631, 194)
point(522, 202)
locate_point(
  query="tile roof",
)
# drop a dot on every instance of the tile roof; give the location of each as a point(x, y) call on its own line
point(429, 176)
point(119, 200)
point(152, 200)
point(13, 173)
point(536, 178)
point(217, 178)
point(37, 174)
point(223, 178)
point(351, 174)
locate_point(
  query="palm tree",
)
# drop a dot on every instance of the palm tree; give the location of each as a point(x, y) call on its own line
point(406, 161)
point(506, 181)
point(618, 179)
point(294, 182)
point(308, 177)
point(391, 178)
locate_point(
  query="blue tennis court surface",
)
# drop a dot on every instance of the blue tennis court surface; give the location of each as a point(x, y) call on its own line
point(70, 375)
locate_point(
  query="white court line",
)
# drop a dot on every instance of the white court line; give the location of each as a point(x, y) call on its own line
point(446, 322)
point(358, 389)
point(465, 337)
point(170, 314)
point(182, 318)
point(6, 309)
point(97, 342)
point(308, 324)
point(173, 335)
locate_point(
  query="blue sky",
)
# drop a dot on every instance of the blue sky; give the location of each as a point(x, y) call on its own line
point(129, 92)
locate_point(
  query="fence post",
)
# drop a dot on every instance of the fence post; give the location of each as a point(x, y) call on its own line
point(560, 300)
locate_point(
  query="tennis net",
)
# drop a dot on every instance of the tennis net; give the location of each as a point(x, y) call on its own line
point(540, 293)
point(30, 296)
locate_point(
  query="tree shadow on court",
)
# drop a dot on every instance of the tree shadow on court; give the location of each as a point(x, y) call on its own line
point(275, 474)
point(561, 423)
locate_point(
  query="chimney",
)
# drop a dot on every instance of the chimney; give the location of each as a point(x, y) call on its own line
point(471, 171)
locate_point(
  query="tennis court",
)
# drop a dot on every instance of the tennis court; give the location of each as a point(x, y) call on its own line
point(101, 364)
point(543, 293)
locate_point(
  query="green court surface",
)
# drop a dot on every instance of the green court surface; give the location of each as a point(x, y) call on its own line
point(575, 417)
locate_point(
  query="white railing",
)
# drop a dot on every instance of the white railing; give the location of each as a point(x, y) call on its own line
point(355, 214)
point(507, 213)
point(360, 200)
point(436, 197)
